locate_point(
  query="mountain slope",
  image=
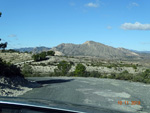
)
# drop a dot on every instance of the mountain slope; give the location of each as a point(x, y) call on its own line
point(34, 50)
point(94, 49)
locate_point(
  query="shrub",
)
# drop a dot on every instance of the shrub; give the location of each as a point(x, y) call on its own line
point(9, 70)
point(128, 77)
point(43, 64)
point(146, 74)
point(109, 66)
point(138, 78)
point(120, 76)
point(80, 70)
point(39, 57)
point(63, 68)
point(51, 53)
point(36, 57)
point(147, 81)
point(125, 72)
point(27, 70)
point(134, 67)
point(95, 74)
point(112, 76)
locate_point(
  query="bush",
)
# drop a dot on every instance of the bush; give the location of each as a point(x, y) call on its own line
point(134, 67)
point(36, 57)
point(95, 74)
point(62, 68)
point(39, 57)
point(128, 77)
point(9, 70)
point(27, 70)
point(112, 76)
point(120, 76)
point(147, 81)
point(146, 74)
point(51, 53)
point(138, 78)
point(80, 70)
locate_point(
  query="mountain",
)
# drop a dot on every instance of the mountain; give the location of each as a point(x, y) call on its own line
point(146, 52)
point(95, 49)
point(33, 49)
point(143, 54)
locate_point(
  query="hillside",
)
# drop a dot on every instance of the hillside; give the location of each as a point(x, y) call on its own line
point(95, 49)
point(33, 49)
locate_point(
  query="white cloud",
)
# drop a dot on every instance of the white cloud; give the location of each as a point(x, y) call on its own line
point(133, 4)
point(92, 5)
point(109, 27)
point(135, 26)
point(12, 35)
point(72, 4)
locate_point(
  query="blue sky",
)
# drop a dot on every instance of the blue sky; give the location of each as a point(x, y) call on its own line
point(117, 23)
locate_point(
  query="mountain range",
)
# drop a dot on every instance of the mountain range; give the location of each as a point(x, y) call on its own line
point(95, 49)
point(90, 49)
point(33, 49)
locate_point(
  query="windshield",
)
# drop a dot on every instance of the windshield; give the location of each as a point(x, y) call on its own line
point(91, 54)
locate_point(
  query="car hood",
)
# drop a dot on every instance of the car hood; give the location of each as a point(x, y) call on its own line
point(57, 105)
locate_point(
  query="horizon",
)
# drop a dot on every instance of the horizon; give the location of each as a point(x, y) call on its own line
point(77, 44)
point(119, 24)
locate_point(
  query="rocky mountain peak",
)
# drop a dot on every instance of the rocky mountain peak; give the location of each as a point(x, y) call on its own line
point(89, 42)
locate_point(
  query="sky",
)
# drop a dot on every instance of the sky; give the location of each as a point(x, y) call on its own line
point(117, 23)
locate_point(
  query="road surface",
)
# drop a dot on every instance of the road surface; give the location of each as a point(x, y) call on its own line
point(105, 93)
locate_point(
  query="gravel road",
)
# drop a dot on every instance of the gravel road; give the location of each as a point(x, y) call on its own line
point(104, 93)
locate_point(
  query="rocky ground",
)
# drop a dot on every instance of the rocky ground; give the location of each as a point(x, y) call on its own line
point(15, 86)
point(15, 57)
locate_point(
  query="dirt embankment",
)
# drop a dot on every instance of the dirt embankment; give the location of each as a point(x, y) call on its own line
point(15, 86)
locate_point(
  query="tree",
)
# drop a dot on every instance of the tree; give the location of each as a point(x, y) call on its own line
point(7, 69)
point(3, 45)
point(51, 53)
point(39, 57)
point(42, 56)
point(80, 70)
point(36, 57)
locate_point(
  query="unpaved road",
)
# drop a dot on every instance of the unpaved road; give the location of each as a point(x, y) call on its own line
point(104, 93)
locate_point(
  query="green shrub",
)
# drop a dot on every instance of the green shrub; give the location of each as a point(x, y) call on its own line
point(146, 74)
point(134, 67)
point(95, 74)
point(39, 57)
point(128, 77)
point(80, 70)
point(51, 53)
point(112, 76)
point(147, 81)
point(62, 68)
point(109, 66)
point(9, 70)
point(36, 57)
point(138, 78)
point(27, 70)
point(125, 72)
point(43, 64)
point(104, 76)
point(120, 76)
